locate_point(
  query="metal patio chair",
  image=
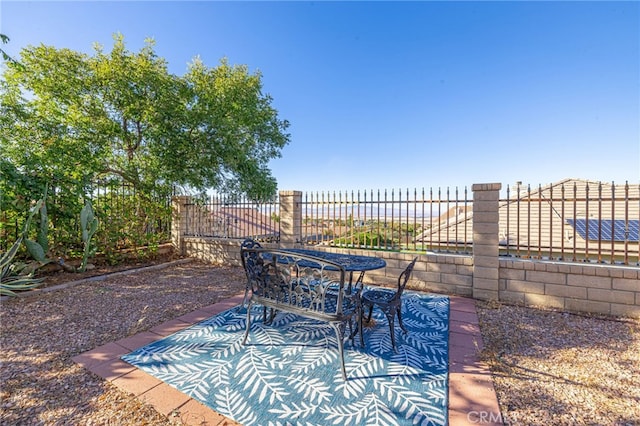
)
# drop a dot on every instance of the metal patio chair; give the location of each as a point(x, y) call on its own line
point(389, 301)
point(247, 264)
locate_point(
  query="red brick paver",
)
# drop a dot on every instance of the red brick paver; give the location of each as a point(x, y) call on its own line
point(472, 397)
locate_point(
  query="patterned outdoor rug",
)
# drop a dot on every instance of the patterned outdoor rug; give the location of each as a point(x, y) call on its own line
point(289, 373)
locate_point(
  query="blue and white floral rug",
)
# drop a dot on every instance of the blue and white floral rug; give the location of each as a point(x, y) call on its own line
point(289, 373)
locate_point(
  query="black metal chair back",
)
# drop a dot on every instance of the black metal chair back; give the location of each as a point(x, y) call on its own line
point(249, 263)
point(389, 301)
point(403, 279)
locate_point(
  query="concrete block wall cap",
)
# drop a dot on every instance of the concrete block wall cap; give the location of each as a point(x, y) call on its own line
point(486, 187)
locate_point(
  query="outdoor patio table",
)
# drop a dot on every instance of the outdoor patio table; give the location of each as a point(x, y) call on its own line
point(350, 262)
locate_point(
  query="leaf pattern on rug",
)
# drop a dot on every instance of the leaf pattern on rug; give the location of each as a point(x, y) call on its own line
point(416, 407)
point(255, 371)
point(288, 372)
point(294, 410)
point(171, 352)
point(233, 404)
point(369, 410)
point(312, 389)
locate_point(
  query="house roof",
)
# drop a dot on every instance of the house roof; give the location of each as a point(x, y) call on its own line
point(244, 222)
point(233, 222)
point(546, 216)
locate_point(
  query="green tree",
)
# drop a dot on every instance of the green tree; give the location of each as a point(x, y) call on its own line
point(71, 118)
point(4, 39)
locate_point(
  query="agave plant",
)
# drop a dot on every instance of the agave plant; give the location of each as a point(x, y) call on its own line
point(12, 278)
point(12, 275)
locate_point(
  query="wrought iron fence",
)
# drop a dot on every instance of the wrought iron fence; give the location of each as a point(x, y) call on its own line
point(574, 220)
point(131, 218)
point(227, 216)
point(389, 220)
point(126, 218)
point(577, 221)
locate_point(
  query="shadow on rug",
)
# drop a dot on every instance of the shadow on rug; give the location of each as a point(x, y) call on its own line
point(289, 372)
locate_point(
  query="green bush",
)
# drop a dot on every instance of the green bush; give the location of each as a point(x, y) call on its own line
point(128, 219)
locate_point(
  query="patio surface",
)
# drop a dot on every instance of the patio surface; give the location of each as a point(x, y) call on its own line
point(472, 398)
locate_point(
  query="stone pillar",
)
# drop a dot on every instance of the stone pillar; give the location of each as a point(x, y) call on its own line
point(290, 218)
point(178, 222)
point(486, 219)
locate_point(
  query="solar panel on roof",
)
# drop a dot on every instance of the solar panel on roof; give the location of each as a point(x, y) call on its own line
point(607, 229)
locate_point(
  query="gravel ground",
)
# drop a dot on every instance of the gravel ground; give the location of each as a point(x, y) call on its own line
point(40, 384)
point(562, 369)
point(549, 368)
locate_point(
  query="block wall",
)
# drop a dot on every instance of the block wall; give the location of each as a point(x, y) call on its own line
point(600, 289)
point(574, 287)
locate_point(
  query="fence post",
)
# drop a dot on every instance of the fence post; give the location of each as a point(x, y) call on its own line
point(290, 217)
point(486, 228)
point(178, 222)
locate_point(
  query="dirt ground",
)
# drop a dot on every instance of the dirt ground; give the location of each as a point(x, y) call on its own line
point(54, 274)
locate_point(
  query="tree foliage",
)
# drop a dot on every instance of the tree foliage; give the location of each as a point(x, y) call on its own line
point(119, 119)
point(71, 118)
point(4, 39)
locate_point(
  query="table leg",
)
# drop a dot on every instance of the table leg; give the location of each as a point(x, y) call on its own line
point(358, 281)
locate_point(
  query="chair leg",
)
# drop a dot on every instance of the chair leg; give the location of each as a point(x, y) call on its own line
point(339, 329)
point(352, 330)
point(357, 326)
point(391, 317)
point(246, 332)
point(360, 328)
point(272, 316)
point(246, 295)
point(370, 312)
point(399, 311)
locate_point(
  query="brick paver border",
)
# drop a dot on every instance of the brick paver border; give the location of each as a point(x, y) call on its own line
point(472, 398)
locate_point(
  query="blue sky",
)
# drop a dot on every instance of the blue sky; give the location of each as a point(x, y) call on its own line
point(384, 95)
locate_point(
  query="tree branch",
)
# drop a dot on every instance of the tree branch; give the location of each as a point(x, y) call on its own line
point(139, 139)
